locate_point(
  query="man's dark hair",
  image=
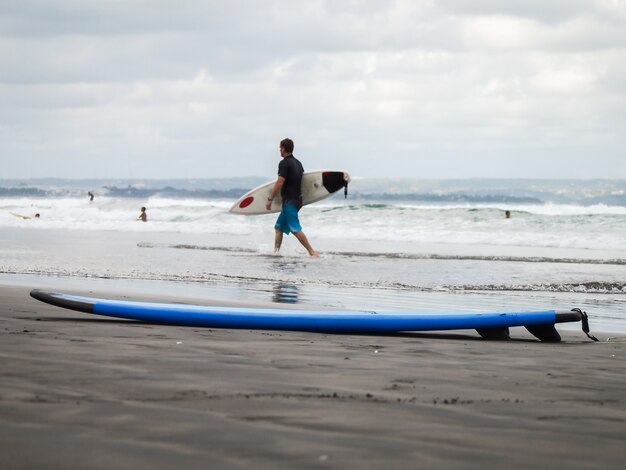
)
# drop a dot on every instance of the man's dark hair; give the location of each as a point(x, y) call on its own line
point(287, 144)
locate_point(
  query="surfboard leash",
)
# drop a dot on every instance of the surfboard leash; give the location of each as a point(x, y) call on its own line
point(584, 318)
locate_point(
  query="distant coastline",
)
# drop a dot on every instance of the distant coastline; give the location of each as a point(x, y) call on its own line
point(475, 191)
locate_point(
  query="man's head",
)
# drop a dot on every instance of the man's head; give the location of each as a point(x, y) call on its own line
point(286, 147)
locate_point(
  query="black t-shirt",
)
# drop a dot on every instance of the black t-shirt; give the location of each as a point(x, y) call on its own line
point(291, 169)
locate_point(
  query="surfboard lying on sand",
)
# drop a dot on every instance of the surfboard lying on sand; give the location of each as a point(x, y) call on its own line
point(489, 325)
point(316, 185)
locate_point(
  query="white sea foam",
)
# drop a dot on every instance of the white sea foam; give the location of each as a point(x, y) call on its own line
point(549, 225)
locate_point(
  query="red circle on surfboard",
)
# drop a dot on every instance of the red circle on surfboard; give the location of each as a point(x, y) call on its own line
point(246, 202)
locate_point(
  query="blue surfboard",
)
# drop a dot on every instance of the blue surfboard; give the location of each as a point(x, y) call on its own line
point(494, 325)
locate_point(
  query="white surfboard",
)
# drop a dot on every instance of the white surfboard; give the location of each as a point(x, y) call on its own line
point(20, 216)
point(316, 185)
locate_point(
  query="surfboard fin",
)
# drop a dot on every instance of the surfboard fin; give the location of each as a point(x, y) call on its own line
point(546, 333)
point(494, 334)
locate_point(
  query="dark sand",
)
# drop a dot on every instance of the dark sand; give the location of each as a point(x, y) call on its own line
point(88, 392)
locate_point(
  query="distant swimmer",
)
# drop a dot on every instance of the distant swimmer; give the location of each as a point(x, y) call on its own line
point(37, 216)
point(507, 214)
point(289, 183)
point(90, 194)
point(143, 216)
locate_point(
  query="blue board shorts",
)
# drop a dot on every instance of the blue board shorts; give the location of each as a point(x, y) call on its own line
point(288, 221)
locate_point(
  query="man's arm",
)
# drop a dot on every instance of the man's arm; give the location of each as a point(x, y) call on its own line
point(279, 184)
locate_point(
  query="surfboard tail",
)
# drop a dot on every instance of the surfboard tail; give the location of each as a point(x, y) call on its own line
point(543, 332)
point(333, 181)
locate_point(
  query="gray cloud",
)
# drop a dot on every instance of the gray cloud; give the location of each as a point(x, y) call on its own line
point(549, 12)
point(417, 88)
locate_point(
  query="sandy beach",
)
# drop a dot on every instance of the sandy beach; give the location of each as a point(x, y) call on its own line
point(448, 161)
point(89, 392)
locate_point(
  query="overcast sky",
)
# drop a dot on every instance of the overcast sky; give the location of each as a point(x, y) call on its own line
point(207, 88)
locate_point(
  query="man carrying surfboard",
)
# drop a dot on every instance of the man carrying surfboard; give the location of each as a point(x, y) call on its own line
point(289, 183)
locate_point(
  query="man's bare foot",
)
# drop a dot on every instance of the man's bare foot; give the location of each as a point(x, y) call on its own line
point(314, 254)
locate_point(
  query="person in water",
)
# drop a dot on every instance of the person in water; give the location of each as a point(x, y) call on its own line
point(90, 194)
point(143, 216)
point(507, 214)
point(289, 183)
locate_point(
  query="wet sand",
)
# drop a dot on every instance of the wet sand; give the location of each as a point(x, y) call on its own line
point(88, 392)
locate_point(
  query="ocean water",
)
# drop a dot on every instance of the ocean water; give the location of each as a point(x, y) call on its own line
point(594, 227)
point(385, 254)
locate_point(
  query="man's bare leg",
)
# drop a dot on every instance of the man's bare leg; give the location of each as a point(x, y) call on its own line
point(305, 243)
point(278, 240)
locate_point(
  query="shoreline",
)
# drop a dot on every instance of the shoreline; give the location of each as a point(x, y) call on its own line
point(97, 392)
point(257, 237)
point(311, 295)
